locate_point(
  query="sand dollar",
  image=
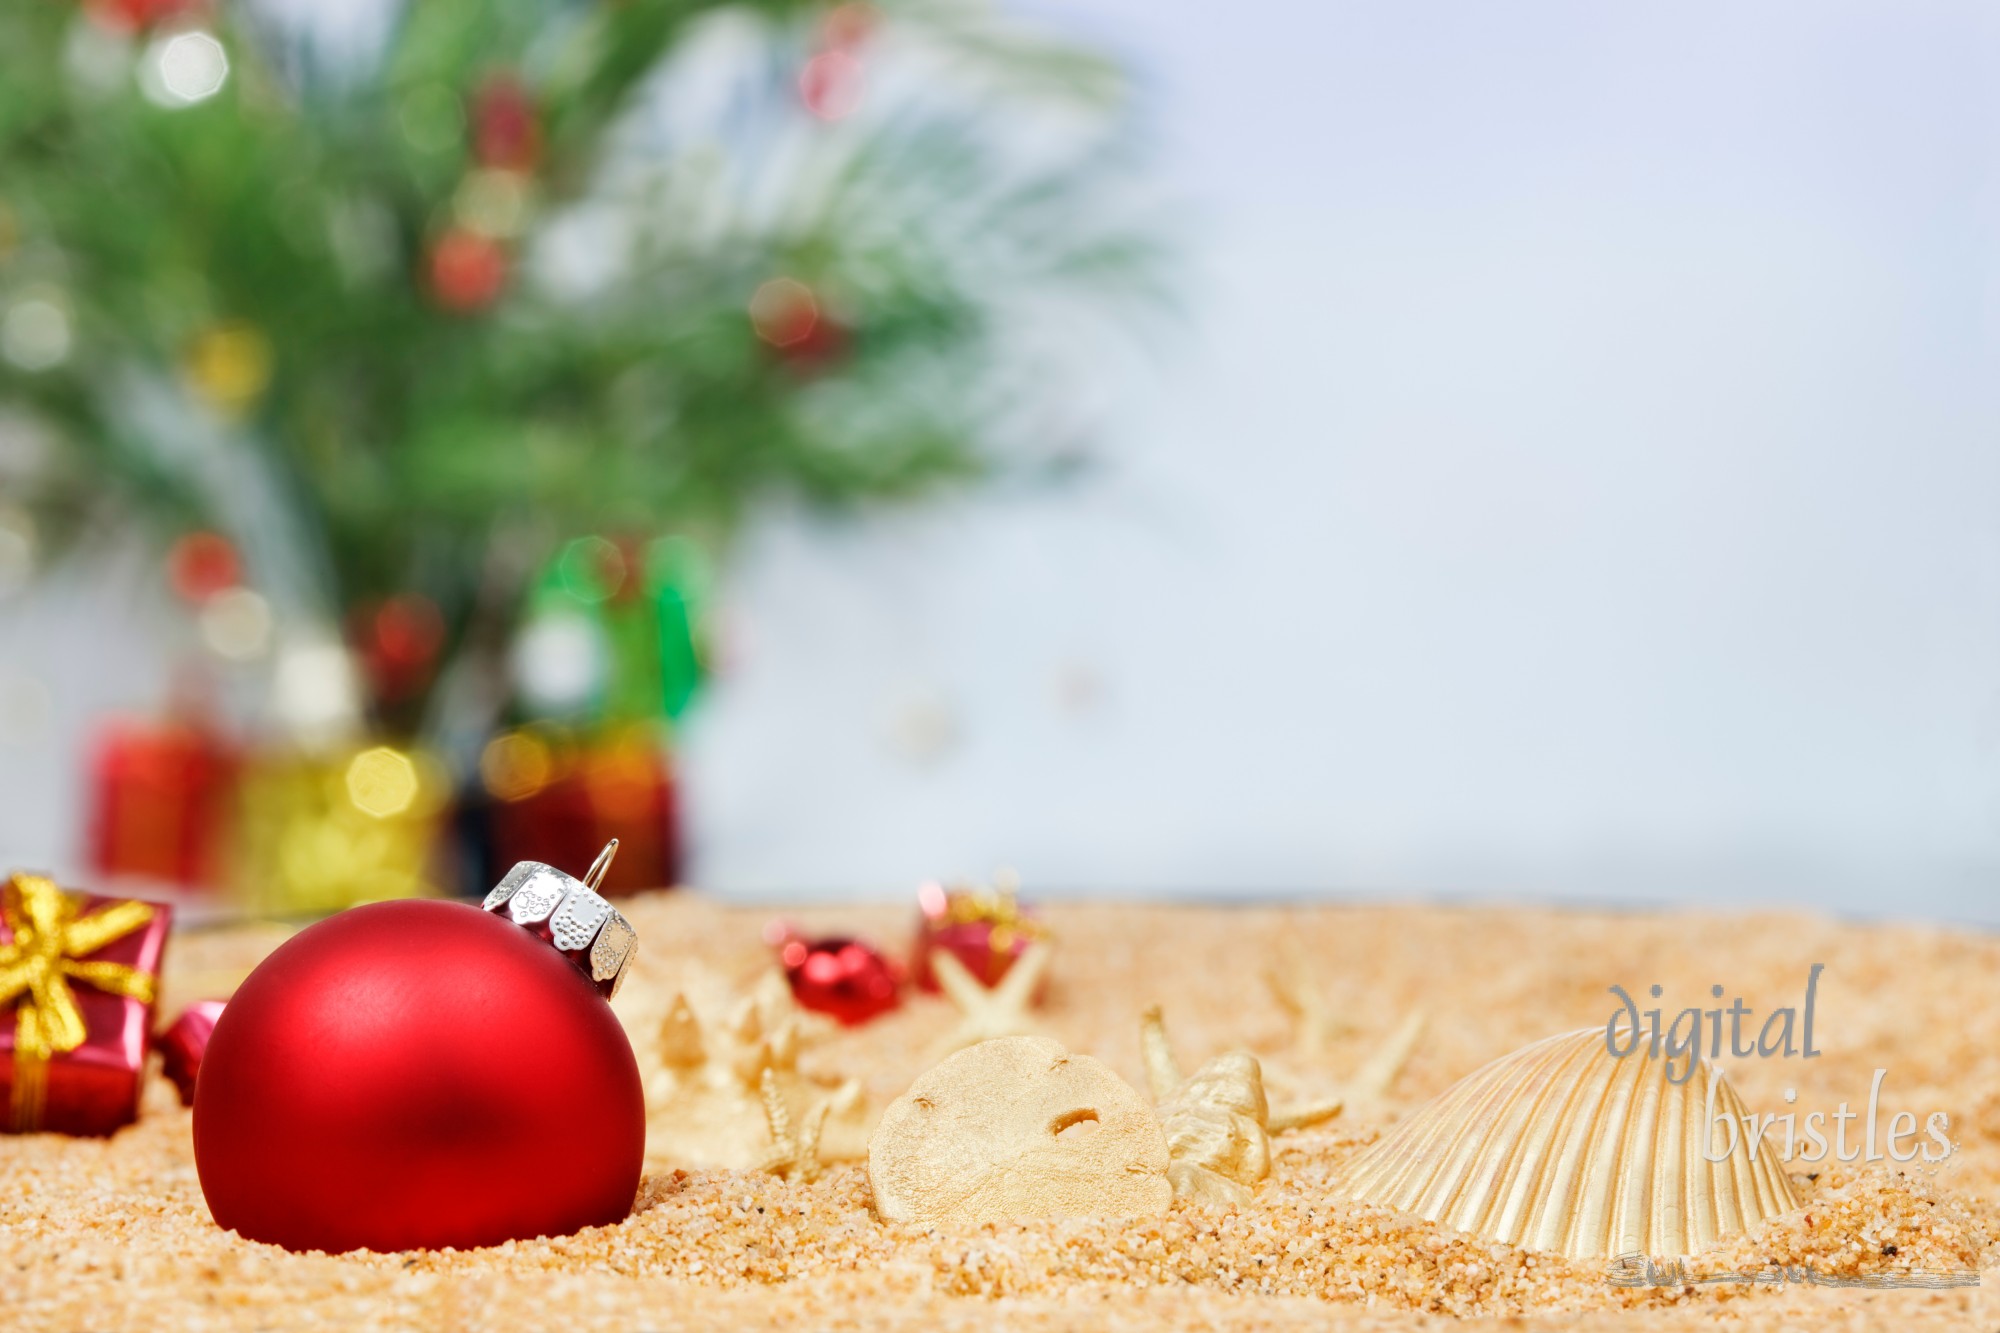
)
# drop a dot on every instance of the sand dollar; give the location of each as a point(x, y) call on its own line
point(1018, 1127)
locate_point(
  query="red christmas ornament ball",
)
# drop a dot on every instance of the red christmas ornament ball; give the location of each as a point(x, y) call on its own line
point(417, 1074)
point(841, 977)
point(468, 271)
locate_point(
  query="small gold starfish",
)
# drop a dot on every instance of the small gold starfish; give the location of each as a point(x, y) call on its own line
point(1314, 1024)
point(793, 1155)
point(703, 1103)
point(999, 1012)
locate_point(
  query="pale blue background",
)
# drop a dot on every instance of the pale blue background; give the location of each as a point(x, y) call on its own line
point(1578, 475)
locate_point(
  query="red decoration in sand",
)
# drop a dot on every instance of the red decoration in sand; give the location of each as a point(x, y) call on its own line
point(412, 1075)
point(182, 1045)
point(844, 978)
point(985, 929)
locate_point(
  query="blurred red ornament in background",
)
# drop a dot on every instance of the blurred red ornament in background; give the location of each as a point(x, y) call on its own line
point(847, 26)
point(559, 801)
point(787, 315)
point(202, 564)
point(398, 642)
point(844, 978)
point(160, 794)
point(126, 16)
point(830, 84)
point(182, 1045)
point(784, 311)
point(985, 929)
point(506, 131)
point(468, 271)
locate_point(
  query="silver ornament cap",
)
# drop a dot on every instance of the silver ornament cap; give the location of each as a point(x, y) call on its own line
point(572, 916)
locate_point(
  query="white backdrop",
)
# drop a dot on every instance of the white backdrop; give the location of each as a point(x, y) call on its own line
point(1580, 476)
point(1585, 480)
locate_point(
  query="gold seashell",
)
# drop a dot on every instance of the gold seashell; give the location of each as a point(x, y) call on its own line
point(1017, 1127)
point(1563, 1146)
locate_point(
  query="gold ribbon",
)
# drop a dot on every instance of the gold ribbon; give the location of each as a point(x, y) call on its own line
point(36, 966)
point(996, 908)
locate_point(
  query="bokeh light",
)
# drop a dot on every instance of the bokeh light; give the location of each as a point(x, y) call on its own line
point(515, 765)
point(35, 335)
point(784, 312)
point(382, 782)
point(236, 624)
point(185, 68)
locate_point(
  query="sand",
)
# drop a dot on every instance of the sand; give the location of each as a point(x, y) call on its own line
point(114, 1234)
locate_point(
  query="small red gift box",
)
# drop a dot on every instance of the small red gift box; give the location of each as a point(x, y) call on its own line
point(158, 800)
point(78, 974)
point(985, 929)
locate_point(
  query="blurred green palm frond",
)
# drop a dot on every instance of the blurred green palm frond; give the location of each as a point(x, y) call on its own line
point(260, 283)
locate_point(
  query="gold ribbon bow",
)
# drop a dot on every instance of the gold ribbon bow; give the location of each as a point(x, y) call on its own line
point(46, 953)
point(996, 907)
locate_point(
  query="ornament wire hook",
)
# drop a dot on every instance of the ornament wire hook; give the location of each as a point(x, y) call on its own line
point(601, 866)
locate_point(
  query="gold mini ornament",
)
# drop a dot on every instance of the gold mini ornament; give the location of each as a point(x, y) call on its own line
point(711, 1103)
point(1018, 1127)
point(1218, 1123)
point(1563, 1146)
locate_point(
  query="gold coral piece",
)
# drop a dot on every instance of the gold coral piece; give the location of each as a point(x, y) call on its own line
point(1000, 1012)
point(794, 1153)
point(1563, 1146)
point(1018, 1127)
point(710, 1103)
point(1218, 1123)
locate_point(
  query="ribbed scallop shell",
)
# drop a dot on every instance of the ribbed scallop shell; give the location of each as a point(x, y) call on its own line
point(1562, 1146)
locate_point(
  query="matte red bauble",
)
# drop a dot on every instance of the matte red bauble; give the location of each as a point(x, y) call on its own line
point(426, 1074)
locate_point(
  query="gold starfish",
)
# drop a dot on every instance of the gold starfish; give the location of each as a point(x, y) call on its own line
point(1366, 1091)
point(793, 1156)
point(1000, 1012)
point(1314, 1024)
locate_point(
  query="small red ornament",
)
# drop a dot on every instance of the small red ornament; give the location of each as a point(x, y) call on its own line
point(985, 929)
point(202, 564)
point(127, 16)
point(468, 271)
point(426, 1074)
point(845, 978)
point(398, 642)
point(830, 84)
point(506, 132)
point(182, 1045)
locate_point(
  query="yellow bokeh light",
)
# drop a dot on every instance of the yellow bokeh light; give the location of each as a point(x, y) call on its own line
point(515, 766)
point(382, 782)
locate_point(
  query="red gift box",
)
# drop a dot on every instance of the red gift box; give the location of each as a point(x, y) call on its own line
point(78, 973)
point(985, 929)
point(159, 795)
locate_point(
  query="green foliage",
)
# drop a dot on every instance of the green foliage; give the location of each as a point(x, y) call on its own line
point(401, 438)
